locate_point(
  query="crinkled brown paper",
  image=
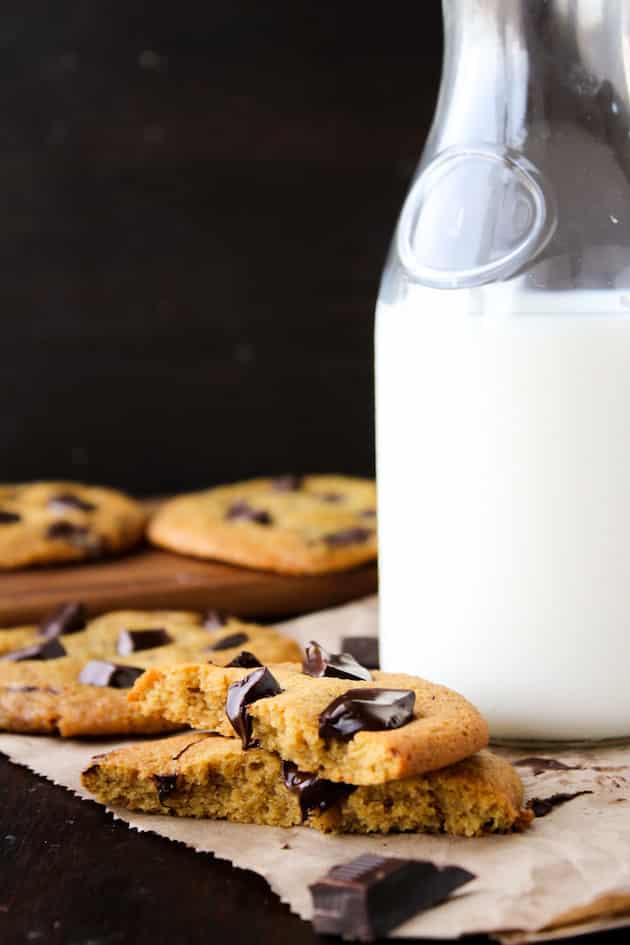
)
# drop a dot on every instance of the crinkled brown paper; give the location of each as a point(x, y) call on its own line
point(571, 869)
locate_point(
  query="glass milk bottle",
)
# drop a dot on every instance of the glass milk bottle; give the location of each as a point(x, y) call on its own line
point(503, 376)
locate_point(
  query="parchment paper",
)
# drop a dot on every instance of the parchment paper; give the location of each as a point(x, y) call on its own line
point(571, 869)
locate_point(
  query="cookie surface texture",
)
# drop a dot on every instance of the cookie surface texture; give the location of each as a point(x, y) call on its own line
point(291, 525)
point(199, 775)
point(444, 728)
point(55, 522)
point(46, 694)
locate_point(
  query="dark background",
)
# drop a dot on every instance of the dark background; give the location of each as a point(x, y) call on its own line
point(196, 204)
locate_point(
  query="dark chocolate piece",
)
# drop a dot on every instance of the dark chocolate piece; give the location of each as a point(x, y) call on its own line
point(539, 765)
point(9, 518)
point(166, 784)
point(245, 660)
point(66, 619)
point(366, 710)
point(103, 673)
point(287, 483)
point(78, 535)
point(364, 650)
point(541, 806)
point(319, 663)
point(226, 643)
point(213, 619)
point(68, 501)
point(243, 510)
point(350, 536)
point(314, 793)
point(367, 897)
point(258, 685)
point(130, 641)
point(45, 650)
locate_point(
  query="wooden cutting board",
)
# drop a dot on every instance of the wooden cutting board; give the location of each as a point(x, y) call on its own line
point(154, 578)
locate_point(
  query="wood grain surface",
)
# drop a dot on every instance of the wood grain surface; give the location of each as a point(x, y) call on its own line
point(153, 578)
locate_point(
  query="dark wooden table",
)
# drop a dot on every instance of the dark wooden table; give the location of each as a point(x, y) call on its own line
point(70, 875)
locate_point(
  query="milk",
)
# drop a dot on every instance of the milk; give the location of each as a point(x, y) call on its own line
point(503, 459)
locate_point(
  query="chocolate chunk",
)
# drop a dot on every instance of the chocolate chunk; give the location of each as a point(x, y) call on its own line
point(166, 784)
point(367, 897)
point(130, 641)
point(68, 501)
point(66, 619)
point(46, 650)
point(287, 483)
point(226, 643)
point(350, 536)
point(314, 793)
point(103, 673)
point(9, 518)
point(213, 619)
point(539, 765)
point(366, 710)
point(541, 806)
point(78, 535)
point(331, 497)
point(258, 685)
point(340, 665)
point(245, 660)
point(243, 510)
point(364, 650)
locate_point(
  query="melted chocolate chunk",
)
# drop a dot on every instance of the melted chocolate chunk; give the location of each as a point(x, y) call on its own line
point(234, 639)
point(243, 510)
point(539, 765)
point(366, 710)
point(66, 619)
point(78, 535)
point(46, 650)
point(59, 503)
point(103, 673)
point(541, 806)
point(213, 619)
point(130, 641)
point(166, 784)
point(350, 536)
point(9, 518)
point(314, 793)
point(258, 685)
point(245, 660)
point(287, 483)
point(339, 665)
point(367, 897)
point(364, 650)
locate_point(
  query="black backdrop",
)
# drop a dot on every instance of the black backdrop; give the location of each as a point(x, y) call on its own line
point(197, 200)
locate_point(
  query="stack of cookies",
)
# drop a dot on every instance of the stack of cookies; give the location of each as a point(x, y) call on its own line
point(325, 743)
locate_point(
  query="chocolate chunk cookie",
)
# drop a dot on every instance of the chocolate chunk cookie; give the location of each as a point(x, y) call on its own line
point(291, 524)
point(72, 675)
point(54, 522)
point(197, 774)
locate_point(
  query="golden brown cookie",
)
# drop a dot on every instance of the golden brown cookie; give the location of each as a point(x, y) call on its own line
point(54, 522)
point(73, 676)
point(292, 525)
point(435, 726)
point(200, 775)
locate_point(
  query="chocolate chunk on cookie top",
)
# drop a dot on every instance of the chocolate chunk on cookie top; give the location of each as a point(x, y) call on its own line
point(319, 662)
point(258, 685)
point(390, 727)
point(102, 673)
point(292, 525)
point(367, 897)
point(130, 641)
point(65, 521)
